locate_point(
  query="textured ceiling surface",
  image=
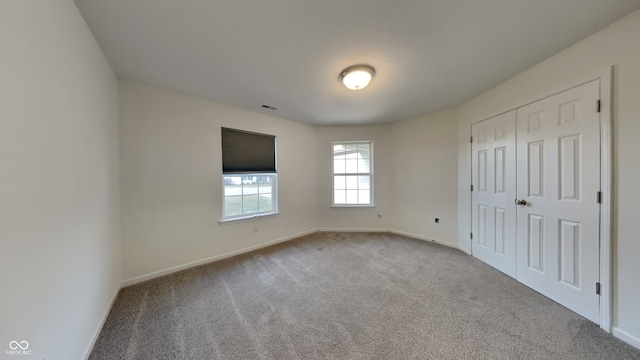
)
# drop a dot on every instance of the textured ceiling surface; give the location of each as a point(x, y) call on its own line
point(428, 54)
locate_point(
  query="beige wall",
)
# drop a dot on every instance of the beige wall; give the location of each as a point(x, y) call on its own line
point(415, 176)
point(171, 181)
point(615, 45)
point(59, 197)
point(423, 176)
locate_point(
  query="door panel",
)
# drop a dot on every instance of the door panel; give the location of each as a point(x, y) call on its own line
point(493, 174)
point(558, 174)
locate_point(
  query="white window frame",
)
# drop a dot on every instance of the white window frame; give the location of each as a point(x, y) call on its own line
point(370, 174)
point(241, 183)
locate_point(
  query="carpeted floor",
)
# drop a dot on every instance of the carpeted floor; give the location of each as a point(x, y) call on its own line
point(347, 296)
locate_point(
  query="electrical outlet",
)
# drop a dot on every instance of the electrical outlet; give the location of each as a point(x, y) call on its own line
point(255, 228)
point(437, 221)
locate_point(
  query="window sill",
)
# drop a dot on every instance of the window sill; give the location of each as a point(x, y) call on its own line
point(353, 206)
point(223, 222)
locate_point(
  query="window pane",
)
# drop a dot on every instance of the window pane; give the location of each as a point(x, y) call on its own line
point(339, 197)
point(364, 151)
point(352, 182)
point(352, 196)
point(352, 152)
point(265, 203)
point(232, 205)
point(250, 204)
point(232, 185)
point(339, 167)
point(339, 182)
point(265, 187)
point(364, 196)
point(364, 182)
point(352, 166)
point(249, 189)
point(231, 180)
point(338, 152)
point(364, 166)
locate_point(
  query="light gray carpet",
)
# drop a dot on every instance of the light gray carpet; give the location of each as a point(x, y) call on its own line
point(347, 296)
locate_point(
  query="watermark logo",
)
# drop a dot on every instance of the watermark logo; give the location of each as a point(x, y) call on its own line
point(18, 348)
point(14, 345)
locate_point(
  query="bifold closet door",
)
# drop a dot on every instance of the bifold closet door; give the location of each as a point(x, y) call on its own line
point(558, 179)
point(493, 173)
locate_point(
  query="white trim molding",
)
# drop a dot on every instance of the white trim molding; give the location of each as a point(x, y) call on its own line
point(606, 214)
point(427, 238)
point(626, 337)
point(171, 270)
point(364, 230)
point(100, 325)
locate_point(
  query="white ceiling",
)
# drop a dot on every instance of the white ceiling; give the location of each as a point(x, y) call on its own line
point(429, 54)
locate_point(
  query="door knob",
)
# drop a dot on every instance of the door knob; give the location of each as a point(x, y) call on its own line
point(522, 202)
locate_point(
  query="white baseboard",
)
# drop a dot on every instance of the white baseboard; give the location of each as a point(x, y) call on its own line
point(365, 230)
point(626, 337)
point(98, 329)
point(153, 275)
point(430, 239)
point(466, 250)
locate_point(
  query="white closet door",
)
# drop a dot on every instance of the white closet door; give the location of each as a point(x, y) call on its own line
point(493, 174)
point(558, 176)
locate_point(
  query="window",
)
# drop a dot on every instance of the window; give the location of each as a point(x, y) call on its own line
point(353, 173)
point(248, 196)
point(249, 175)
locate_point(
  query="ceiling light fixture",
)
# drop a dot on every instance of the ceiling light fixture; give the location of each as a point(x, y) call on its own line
point(357, 77)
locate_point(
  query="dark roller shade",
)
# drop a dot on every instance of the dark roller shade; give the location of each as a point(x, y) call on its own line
point(247, 152)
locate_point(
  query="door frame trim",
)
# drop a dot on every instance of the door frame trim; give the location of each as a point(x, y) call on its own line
point(605, 76)
point(606, 214)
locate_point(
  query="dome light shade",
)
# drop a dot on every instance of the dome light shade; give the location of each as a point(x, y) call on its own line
point(357, 77)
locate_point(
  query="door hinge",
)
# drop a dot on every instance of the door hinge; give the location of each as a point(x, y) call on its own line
point(471, 139)
point(471, 187)
point(599, 197)
point(599, 105)
point(471, 236)
point(597, 288)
